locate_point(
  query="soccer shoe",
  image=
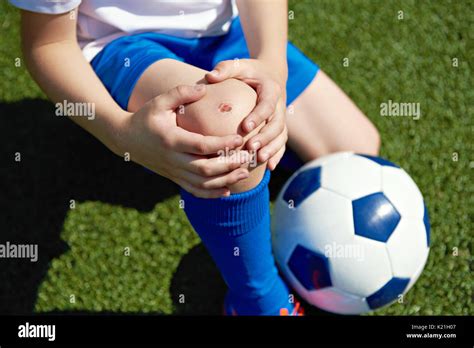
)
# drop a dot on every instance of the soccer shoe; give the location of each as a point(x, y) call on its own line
point(297, 311)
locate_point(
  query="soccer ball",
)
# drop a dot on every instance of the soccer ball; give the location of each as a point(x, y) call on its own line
point(350, 232)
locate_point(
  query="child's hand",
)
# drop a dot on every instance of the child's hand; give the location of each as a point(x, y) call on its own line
point(270, 87)
point(153, 139)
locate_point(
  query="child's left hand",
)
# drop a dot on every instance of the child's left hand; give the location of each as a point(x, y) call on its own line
point(271, 105)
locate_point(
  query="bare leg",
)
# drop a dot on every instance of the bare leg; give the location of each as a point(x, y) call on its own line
point(220, 112)
point(325, 120)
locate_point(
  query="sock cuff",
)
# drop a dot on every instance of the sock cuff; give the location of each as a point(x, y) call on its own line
point(234, 215)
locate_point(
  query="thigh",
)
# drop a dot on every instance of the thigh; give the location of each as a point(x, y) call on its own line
point(323, 119)
point(162, 76)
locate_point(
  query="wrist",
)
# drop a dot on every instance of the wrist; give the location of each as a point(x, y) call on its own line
point(116, 132)
point(278, 68)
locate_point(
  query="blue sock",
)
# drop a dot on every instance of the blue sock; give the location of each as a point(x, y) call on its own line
point(236, 232)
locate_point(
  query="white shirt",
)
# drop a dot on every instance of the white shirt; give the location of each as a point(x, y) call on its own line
point(101, 21)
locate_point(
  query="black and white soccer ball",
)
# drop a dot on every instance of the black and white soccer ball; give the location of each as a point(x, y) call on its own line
point(350, 232)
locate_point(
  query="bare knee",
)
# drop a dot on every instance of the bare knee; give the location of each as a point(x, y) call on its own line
point(372, 142)
point(220, 112)
point(368, 142)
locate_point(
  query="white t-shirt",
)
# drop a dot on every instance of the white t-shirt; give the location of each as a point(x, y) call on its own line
point(101, 21)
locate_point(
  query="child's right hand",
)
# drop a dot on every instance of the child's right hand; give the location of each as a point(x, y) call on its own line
point(152, 138)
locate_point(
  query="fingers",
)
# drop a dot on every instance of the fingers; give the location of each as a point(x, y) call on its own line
point(273, 162)
point(181, 140)
point(271, 149)
point(201, 182)
point(224, 70)
point(269, 93)
point(218, 165)
point(223, 192)
point(179, 95)
point(217, 182)
point(270, 131)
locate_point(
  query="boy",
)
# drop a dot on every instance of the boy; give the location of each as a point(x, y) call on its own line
point(176, 82)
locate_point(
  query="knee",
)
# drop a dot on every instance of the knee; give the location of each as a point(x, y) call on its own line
point(220, 112)
point(366, 140)
point(372, 141)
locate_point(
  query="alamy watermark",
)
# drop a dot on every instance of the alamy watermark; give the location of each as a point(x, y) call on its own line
point(19, 251)
point(238, 156)
point(75, 109)
point(344, 251)
point(28, 330)
point(391, 108)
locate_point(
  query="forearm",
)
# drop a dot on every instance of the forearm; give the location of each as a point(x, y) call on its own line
point(265, 25)
point(64, 75)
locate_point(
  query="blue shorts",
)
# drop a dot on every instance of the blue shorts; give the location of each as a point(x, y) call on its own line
point(121, 63)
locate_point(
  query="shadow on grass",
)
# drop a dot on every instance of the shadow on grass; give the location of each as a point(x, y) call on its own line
point(59, 162)
point(198, 279)
point(197, 288)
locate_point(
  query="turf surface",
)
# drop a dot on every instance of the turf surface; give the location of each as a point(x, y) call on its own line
point(125, 245)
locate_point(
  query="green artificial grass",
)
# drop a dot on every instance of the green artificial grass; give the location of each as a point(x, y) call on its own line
point(127, 244)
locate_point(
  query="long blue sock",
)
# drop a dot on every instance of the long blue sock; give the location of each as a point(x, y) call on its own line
point(236, 232)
